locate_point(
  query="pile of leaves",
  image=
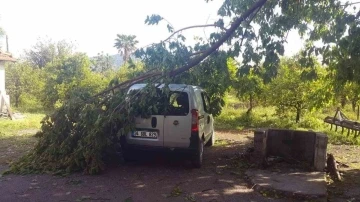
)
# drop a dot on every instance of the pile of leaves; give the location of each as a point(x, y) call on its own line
point(85, 131)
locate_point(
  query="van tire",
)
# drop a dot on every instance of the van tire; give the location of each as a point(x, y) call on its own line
point(198, 156)
point(127, 156)
point(211, 141)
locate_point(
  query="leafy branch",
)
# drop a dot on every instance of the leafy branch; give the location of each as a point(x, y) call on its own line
point(192, 27)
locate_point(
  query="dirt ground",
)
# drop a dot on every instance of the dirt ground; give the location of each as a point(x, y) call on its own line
point(154, 177)
point(348, 158)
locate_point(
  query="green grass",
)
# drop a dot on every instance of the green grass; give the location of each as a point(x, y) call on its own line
point(17, 136)
point(12, 127)
point(234, 117)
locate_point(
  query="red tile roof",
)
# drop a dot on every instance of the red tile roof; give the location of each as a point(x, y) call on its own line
point(6, 57)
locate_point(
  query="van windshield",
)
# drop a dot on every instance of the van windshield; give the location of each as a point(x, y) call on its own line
point(175, 104)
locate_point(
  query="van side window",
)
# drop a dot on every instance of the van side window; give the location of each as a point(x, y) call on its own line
point(206, 102)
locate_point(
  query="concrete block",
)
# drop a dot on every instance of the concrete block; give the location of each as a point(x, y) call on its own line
point(320, 151)
point(306, 146)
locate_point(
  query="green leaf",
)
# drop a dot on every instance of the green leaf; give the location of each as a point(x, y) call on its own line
point(154, 19)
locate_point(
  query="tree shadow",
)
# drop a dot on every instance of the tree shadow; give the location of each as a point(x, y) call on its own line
point(153, 177)
point(12, 147)
point(348, 188)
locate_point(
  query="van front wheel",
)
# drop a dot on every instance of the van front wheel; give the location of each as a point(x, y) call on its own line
point(198, 156)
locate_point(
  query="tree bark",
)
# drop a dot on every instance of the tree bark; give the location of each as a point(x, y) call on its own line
point(17, 97)
point(343, 101)
point(298, 113)
point(251, 104)
point(353, 105)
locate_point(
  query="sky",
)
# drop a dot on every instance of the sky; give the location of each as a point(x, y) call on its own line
point(93, 25)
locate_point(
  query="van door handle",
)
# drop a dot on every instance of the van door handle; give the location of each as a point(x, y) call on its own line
point(153, 122)
point(201, 117)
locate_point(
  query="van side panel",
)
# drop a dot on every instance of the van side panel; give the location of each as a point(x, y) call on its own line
point(200, 107)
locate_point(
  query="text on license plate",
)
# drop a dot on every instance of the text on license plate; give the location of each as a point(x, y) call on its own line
point(146, 134)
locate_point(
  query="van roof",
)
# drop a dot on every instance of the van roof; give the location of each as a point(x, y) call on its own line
point(173, 87)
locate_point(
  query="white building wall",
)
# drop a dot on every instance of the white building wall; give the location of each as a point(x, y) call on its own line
point(2, 88)
point(2, 76)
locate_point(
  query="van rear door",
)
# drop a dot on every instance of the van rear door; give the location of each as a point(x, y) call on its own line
point(149, 131)
point(177, 121)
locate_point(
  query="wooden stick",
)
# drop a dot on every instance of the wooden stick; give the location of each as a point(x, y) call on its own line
point(7, 107)
point(332, 168)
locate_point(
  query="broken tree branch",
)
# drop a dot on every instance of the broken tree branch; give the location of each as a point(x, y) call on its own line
point(191, 27)
point(198, 59)
point(349, 4)
point(225, 37)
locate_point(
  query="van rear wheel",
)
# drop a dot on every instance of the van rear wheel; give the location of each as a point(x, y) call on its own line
point(127, 155)
point(198, 156)
point(211, 142)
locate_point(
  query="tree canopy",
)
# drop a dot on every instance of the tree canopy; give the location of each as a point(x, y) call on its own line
point(46, 51)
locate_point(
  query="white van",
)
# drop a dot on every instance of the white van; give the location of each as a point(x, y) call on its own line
point(186, 125)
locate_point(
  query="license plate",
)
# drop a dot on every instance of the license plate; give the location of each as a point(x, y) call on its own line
point(145, 134)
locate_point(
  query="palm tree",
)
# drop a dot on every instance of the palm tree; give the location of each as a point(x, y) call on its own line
point(126, 44)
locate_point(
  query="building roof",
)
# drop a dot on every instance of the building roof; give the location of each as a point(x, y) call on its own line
point(6, 57)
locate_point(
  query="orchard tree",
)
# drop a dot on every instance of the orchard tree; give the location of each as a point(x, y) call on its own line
point(348, 92)
point(126, 45)
point(343, 60)
point(46, 51)
point(102, 63)
point(24, 84)
point(67, 75)
point(249, 85)
point(297, 88)
point(353, 95)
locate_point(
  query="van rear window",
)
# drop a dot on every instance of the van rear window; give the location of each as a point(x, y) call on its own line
point(178, 104)
point(175, 104)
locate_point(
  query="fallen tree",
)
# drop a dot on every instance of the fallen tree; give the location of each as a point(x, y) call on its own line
point(85, 131)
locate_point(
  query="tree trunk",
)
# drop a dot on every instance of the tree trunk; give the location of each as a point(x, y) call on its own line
point(251, 102)
point(353, 105)
point(298, 112)
point(343, 101)
point(17, 97)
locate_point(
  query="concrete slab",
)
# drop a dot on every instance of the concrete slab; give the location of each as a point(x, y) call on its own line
point(305, 184)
